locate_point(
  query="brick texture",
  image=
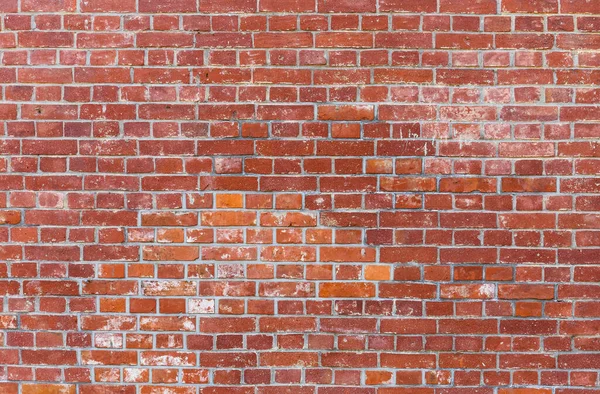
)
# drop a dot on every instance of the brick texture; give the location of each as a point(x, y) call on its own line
point(299, 196)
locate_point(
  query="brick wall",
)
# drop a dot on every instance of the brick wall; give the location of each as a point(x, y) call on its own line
point(299, 196)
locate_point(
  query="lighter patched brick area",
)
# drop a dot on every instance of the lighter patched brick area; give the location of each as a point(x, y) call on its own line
point(299, 196)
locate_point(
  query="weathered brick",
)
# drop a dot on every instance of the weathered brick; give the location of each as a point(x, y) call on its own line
point(299, 196)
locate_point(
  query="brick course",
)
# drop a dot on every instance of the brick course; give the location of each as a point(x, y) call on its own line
point(299, 196)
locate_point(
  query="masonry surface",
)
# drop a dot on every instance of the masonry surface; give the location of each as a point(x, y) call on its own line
point(299, 196)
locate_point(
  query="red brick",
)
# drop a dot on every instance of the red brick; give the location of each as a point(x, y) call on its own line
point(579, 7)
point(339, 290)
point(287, 6)
point(33, 388)
point(108, 6)
point(428, 6)
point(179, 253)
point(346, 6)
point(346, 112)
point(334, 196)
point(474, 7)
point(167, 6)
point(283, 40)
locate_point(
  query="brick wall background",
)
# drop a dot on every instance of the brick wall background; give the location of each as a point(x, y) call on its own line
point(299, 196)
